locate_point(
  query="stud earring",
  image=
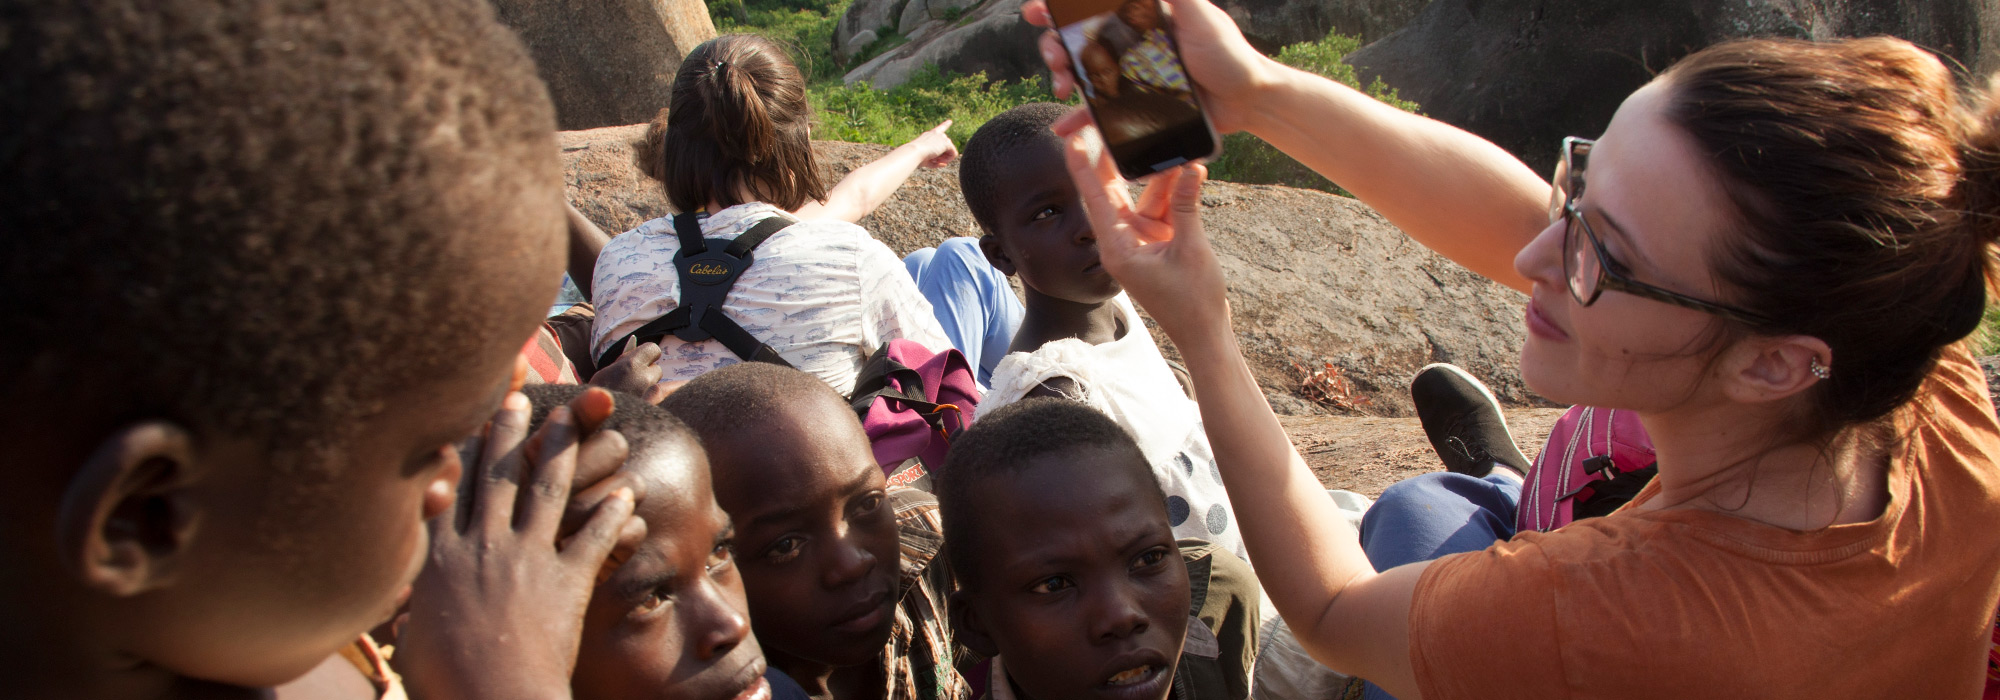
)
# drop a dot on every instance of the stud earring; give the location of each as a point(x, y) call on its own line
point(1819, 370)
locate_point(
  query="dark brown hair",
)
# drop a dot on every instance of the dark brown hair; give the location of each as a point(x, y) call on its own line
point(737, 124)
point(1867, 188)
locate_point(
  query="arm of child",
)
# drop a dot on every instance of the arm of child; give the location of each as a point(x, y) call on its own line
point(868, 186)
point(586, 241)
point(1348, 616)
point(1452, 191)
point(498, 611)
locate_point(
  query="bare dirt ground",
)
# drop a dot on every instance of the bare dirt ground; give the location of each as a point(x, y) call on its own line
point(1366, 454)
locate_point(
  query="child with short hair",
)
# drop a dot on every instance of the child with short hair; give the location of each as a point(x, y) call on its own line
point(671, 622)
point(846, 592)
point(1071, 576)
point(1081, 338)
point(263, 263)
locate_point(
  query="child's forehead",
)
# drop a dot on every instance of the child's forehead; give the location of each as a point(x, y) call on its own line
point(1093, 488)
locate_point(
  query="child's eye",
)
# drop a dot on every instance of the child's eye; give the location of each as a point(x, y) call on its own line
point(1051, 584)
point(655, 599)
point(1152, 557)
point(1046, 212)
point(868, 505)
point(784, 550)
point(720, 558)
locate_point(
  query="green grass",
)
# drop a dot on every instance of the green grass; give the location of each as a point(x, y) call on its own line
point(1987, 339)
point(803, 27)
point(863, 114)
point(1248, 159)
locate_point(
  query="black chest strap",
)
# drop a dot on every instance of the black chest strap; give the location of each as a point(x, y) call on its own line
point(708, 269)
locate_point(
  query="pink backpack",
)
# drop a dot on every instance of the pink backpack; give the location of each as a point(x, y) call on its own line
point(912, 402)
point(1596, 460)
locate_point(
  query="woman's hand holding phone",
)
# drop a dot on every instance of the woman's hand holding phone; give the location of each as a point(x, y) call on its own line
point(1226, 70)
point(1154, 246)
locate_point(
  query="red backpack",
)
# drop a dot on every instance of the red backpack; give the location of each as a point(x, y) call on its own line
point(912, 402)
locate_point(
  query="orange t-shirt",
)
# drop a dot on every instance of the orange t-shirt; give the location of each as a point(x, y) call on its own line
point(1696, 604)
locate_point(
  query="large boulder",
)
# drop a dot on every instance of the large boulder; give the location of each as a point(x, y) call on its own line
point(1274, 24)
point(957, 36)
point(1315, 279)
point(607, 62)
point(1525, 73)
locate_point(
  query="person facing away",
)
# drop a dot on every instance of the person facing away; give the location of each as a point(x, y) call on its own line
point(1080, 338)
point(1773, 256)
point(1070, 577)
point(822, 293)
point(671, 621)
point(266, 261)
point(847, 593)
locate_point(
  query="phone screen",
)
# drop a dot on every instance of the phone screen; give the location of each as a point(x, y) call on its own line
point(1130, 71)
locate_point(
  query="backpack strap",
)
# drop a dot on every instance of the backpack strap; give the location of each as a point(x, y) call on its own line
point(706, 277)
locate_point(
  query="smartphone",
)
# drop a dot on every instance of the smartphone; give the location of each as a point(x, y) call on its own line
point(1130, 71)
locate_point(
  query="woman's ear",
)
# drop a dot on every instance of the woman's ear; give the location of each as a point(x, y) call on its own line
point(966, 627)
point(125, 521)
point(1769, 369)
point(996, 254)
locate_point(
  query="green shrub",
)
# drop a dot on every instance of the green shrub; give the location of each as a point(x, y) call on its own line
point(863, 114)
point(1249, 159)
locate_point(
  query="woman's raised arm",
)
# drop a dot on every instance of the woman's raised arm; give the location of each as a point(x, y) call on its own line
point(1452, 191)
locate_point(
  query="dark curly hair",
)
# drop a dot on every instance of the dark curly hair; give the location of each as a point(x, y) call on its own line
point(1007, 442)
point(249, 216)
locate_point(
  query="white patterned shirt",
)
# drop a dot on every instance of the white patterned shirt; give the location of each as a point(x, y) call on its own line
point(823, 294)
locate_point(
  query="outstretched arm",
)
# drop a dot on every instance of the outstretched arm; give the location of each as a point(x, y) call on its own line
point(868, 186)
point(586, 240)
point(1349, 617)
point(1452, 191)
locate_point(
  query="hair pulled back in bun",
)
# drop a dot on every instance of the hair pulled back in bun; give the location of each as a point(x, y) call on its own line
point(737, 129)
point(1869, 192)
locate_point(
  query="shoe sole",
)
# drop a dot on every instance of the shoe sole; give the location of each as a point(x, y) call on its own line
point(1483, 391)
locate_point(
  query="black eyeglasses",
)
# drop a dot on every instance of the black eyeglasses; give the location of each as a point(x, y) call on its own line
point(1591, 271)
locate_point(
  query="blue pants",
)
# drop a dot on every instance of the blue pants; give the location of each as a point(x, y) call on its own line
point(1425, 517)
point(972, 301)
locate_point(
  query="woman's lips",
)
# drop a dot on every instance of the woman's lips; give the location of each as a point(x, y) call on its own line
point(1540, 325)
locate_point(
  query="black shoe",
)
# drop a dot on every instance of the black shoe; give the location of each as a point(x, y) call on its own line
point(1464, 422)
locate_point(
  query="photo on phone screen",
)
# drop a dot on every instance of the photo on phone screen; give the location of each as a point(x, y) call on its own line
point(1124, 57)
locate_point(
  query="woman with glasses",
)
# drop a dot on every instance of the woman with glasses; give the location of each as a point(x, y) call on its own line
point(1772, 255)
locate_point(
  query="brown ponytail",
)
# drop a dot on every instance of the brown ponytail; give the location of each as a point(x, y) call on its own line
point(1868, 194)
point(737, 125)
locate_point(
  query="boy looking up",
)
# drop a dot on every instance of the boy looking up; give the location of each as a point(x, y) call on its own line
point(671, 621)
point(1081, 338)
point(1069, 574)
point(845, 595)
point(263, 264)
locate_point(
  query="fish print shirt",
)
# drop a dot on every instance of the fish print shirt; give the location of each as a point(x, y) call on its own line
point(823, 294)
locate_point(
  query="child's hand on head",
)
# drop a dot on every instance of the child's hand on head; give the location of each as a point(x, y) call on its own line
point(498, 610)
point(636, 372)
point(936, 146)
point(1155, 246)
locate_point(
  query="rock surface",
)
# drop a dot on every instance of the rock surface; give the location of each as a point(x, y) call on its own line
point(1314, 278)
point(1273, 24)
point(607, 62)
point(957, 36)
point(1525, 73)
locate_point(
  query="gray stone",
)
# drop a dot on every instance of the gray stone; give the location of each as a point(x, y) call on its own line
point(1525, 73)
point(607, 62)
point(914, 16)
point(1272, 24)
point(991, 38)
point(877, 16)
point(854, 45)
